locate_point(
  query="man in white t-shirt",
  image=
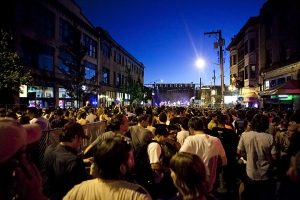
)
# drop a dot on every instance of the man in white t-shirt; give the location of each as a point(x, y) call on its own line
point(259, 149)
point(208, 148)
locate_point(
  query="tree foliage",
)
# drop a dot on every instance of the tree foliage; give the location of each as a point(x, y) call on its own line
point(134, 89)
point(13, 73)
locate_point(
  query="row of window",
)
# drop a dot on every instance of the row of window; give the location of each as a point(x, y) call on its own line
point(248, 47)
point(42, 21)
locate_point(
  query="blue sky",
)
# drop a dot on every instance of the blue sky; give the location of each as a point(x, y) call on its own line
point(167, 36)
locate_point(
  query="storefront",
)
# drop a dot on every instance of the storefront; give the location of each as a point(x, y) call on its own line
point(37, 96)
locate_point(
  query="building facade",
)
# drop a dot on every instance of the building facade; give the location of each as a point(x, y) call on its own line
point(72, 61)
point(266, 54)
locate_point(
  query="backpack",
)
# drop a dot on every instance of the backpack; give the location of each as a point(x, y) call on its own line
point(239, 126)
point(143, 171)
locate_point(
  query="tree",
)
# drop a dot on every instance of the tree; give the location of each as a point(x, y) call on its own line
point(13, 73)
point(72, 54)
point(134, 89)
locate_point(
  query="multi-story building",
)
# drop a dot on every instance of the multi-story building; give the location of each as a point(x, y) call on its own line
point(244, 66)
point(66, 53)
point(266, 54)
point(118, 67)
point(279, 51)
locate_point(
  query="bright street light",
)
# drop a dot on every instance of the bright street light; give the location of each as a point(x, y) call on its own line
point(200, 62)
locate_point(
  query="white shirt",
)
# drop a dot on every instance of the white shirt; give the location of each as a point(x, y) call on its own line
point(98, 189)
point(181, 135)
point(209, 149)
point(259, 148)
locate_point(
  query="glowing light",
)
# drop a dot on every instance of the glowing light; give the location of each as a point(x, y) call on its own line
point(200, 63)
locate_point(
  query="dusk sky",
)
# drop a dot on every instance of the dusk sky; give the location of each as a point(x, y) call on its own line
point(167, 36)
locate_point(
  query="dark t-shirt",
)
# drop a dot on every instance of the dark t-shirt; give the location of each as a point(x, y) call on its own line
point(229, 141)
point(63, 170)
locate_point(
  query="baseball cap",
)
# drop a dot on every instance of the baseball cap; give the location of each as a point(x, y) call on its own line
point(14, 136)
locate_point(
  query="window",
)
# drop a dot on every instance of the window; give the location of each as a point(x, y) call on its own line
point(252, 72)
point(273, 83)
point(252, 44)
point(63, 93)
point(45, 58)
point(66, 31)
point(247, 72)
point(38, 18)
point(246, 47)
point(118, 58)
point(269, 61)
point(105, 75)
point(90, 71)
point(281, 81)
point(41, 92)
point(105, 49)
point(36, 55)
point(233, 59)
point(240, 54)
point(65, 59)
point(115, 78)
point(90, 46)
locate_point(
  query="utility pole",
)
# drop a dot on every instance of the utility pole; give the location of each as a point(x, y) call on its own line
point(200, 92)
point(214, 78)
point(220, 44)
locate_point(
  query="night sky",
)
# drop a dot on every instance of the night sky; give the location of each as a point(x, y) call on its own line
point(167, 36)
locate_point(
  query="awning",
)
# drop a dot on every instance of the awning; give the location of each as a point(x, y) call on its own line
point(290, 87)
point(250, 95)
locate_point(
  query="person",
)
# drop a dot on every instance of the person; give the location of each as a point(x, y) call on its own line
point(184, 132)
point(158, 156)
point(64, 168)
point(189, 175)
point(229, 140)
point(208, 148)
point(81, 118)
point(260, 150)
point(91, 117)
point(213, 122)
point(113, 160)
point(20, 178)
point(139, 134)
point(35, 116)
point(59, 121)
point(118, 125)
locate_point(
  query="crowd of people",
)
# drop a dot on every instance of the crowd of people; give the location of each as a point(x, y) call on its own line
point(160, 153)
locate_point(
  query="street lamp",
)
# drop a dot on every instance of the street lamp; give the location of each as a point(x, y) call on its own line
point(200, 63)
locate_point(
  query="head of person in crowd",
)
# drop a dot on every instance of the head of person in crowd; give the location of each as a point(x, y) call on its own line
point(33, 112)
point(222, 119)
point(161, 132)
point(173, 129)
point(139, 111)
point(72, 135)
point(195, 124)
point(162, 117)
point(143, 120)
point(260, 123)
point(19, 176)
point(184, 123)
point(119, 123)
point(189, 175)
point(114, 158)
